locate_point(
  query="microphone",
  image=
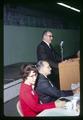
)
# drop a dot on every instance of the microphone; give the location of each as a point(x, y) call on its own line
point(61, 43)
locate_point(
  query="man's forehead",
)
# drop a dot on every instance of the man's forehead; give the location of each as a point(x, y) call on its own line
point(49, 33)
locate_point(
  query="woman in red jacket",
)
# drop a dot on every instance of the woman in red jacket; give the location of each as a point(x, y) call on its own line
point(30, 103)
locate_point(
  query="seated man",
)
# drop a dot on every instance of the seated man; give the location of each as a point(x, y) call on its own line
point(45, 89)
point(28, 98)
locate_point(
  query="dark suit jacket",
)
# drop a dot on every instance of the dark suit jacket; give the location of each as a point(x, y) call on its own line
point(47, 92)
point(46, 53)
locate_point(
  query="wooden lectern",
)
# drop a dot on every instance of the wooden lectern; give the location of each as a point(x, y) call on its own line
point(69, 72)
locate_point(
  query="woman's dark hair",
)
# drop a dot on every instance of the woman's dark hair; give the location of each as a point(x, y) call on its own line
point(26, 69)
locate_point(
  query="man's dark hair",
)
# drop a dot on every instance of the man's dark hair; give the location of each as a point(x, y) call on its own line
point(45, 32)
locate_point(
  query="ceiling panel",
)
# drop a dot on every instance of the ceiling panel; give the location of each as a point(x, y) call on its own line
point(45, 3)
point(50, 6)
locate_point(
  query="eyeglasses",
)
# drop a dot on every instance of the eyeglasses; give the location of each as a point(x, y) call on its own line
point(50, 35)
point(33, 75)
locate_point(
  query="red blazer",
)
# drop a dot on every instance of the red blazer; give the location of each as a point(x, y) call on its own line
point(30, 102)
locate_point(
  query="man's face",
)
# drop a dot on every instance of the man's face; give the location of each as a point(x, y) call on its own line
point(46, 68)
point(48, 37)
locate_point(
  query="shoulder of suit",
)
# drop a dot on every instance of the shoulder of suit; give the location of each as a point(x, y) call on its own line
point(43, 44)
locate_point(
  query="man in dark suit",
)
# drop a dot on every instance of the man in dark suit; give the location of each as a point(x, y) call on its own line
point(45, 51)
point(46, 91)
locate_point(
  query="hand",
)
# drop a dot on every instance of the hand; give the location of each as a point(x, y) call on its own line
point(59, 103)
point(77, 90)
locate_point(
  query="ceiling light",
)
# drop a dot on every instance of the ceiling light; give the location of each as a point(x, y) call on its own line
point(69, 7)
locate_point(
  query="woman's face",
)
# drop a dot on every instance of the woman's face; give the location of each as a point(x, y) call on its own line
point(32, 77)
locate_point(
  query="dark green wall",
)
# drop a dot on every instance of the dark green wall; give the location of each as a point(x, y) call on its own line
point(71, 40)
point(20, 42)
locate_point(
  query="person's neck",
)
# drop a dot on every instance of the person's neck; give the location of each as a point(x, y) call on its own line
point(26, 82)
point(43, 74)
point(46, 42)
